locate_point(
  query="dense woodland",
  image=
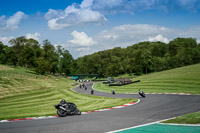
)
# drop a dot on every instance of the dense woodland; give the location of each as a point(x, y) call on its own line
point(143, 57)
point(30, 54)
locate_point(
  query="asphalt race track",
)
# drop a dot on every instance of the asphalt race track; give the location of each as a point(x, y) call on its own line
point(150, 109)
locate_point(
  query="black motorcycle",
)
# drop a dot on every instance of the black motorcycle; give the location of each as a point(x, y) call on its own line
point(67, 108)
point(142, 93)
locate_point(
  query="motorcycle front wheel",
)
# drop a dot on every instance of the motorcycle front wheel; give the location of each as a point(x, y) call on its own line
point(78, 112)
point(61, 113)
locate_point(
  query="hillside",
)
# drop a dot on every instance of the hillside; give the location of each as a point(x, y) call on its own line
point(25, 94)
point(179, 80)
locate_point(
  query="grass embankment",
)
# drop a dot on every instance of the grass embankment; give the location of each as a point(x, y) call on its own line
point(24, 94)
point(179, 80)
point(192, 118)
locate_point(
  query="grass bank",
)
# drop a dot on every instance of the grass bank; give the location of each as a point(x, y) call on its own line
point(192, 118)
point(179, 80)
point(24, 94)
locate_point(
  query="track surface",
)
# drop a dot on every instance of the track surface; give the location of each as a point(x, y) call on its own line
point(150, 109)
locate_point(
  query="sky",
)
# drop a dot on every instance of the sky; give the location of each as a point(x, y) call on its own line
point(87, 26)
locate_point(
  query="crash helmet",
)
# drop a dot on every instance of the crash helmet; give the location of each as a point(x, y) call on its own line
point(62, 101)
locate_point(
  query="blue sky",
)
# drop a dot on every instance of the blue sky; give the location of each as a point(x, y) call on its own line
point(87, 26)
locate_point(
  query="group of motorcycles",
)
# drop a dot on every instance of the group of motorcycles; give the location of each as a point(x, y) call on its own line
point(66, 108)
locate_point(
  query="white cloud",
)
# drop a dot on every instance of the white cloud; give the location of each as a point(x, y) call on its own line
point(94, 11)
point(191, 5)
point(81, 44)
point(14, 20)
point(33, 36)
point(86, 3)
point(2, 20)
point(5, 40)
point(123, 36)
point(86, 49)
point(158, 38)
point(127, 35)
point(130, 6)
point(53, 25)
point(81, 39)
point(112, 6)
point(73, 15)
point(54, 14)
point(12, 23)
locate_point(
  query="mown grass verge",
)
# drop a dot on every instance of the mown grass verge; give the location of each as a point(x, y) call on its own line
point(179, 80)
point(192, 118)
point(23, 95)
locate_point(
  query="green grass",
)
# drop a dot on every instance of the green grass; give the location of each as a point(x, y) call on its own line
point(23, 95)
point(179, 80)
point(192, 118)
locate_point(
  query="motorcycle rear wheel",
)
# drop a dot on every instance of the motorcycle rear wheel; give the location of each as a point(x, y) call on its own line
point(61, 113)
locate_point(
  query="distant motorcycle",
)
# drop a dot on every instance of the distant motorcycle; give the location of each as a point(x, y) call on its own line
point(141, 93)
point(67, 108)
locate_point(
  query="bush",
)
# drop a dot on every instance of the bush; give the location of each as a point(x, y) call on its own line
point(138, 73)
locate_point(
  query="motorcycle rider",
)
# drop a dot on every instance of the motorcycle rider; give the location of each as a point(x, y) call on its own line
point(67, 108)
point(141, 93)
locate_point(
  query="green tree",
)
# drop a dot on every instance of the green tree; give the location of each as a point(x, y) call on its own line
point(66, 63)
point(158, 49)
point(50, 56)
point(2, 53)
point(42, 65)
point(146, 60)
point(28, 56)
point(18, 45)
point(11, 56)
point(182, 51)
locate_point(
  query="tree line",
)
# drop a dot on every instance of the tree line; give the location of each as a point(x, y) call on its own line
point(43, 58)
point(143, 57)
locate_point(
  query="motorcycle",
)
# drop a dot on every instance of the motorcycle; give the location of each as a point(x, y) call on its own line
point(66, 108)
point(141, 93)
